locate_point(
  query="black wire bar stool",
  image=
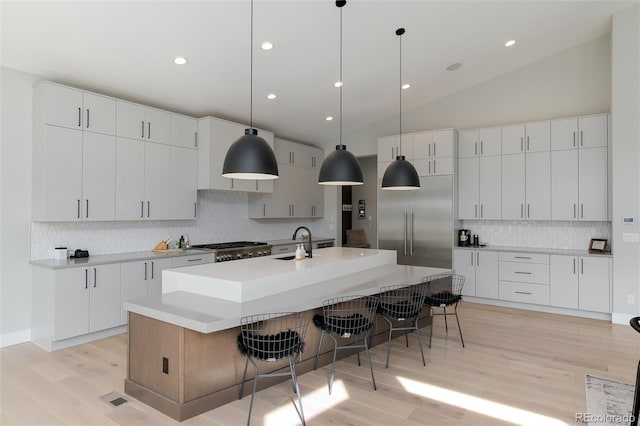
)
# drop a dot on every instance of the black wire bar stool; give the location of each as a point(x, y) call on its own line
point(444, 290)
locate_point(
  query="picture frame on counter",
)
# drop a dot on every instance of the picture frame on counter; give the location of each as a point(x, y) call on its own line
point(598, 245)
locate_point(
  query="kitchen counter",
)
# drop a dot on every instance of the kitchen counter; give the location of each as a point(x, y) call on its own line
point(113, 258)
point(249, 279)
point(565, 252)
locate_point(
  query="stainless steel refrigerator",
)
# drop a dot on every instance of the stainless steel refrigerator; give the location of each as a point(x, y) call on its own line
point(419, 224)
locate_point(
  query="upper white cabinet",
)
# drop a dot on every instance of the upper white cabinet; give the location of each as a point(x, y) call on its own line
point(184, 180)
point(157, 180)
point(579, 169)
point(479, 194)
point(389, 147)
point(184, 131)
point(530, 137)
point(215, 136)
point(288, 152)
point(483, 142)
point(431, 153)
point(140, 122)
point(98, 177)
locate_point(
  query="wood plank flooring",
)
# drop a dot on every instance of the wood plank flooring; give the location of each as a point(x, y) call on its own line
point(518, 367)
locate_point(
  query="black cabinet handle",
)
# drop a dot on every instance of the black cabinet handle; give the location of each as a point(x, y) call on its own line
point(86, 278)
point(145, 271)
point(87, 118)
point(194, 260)
point(523, 292)
point(152, 268)
point(95, 277)
point(79, 117)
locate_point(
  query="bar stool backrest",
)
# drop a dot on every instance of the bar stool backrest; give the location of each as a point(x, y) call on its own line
point(348, 316)
point(270, 337)
point(402, 302)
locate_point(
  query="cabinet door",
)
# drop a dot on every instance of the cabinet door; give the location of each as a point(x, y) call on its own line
point(405, 146)
point(442, 145)
point(158, 125)
point(62, 174)
point(105, 304)
point(387, 148)
point(154, 276)
point(513, 187)
point(563, 281)
point(538, 185)
point(299, 196)
point(130, 200)
point(490, 188)
point(538, 136)
point(183, 131)
point(468, 188)
point(71, 303)
point(564, 134)
point(490, 142)
point(593, 131)
point(99, 114)
point(564, 185)
point(316, 194)
point(133, 284)
point(422, 145)
point(184, 182)
point(99, 176)
point(464, 262)
point(278, 204)
point(468, 144)
point(513, 139)
point(594, 287)
point(487, 274)
point(440, 166)
point(130, 120)
point(157, 181)
point(62, 106)
point(592, 185)
point(222, 136)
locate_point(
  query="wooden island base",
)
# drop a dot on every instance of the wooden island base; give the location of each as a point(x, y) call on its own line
point(183, 373)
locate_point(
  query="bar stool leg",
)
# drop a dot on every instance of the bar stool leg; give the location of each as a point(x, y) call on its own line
point(244, 378)
point(431, 330)
point(296, 387)
point(253, 393)
point(373, 379)
point(420, 343)
point(315, 363)
point(459, 328)
point(446, 327)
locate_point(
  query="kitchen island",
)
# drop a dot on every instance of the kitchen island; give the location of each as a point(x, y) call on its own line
point(183, 356)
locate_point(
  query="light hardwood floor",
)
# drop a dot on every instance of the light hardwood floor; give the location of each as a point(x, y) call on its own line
point(519, 367)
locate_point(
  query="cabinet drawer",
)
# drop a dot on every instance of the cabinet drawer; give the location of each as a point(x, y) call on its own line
point(525, 293)
point(287, 248)
point(506, 256)
point(178, 262)
point(524, 272)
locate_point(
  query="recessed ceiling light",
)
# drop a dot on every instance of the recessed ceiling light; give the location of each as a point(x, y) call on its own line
point(267, 45)
point(510, 43)
point(179, 60)
point(454, 67)
point(406, 86)
point(337, 84)
point(329, 118)
point(271, 96)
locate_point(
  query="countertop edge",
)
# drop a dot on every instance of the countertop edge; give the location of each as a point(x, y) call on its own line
point(104, 259)
point(564, 252)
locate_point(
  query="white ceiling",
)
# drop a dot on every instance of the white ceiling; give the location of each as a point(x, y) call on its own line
point(126, 49)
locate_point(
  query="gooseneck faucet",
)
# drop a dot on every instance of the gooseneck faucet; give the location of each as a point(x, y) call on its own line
point(295, 234)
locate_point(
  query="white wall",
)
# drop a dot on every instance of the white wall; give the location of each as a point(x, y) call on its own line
point(625, 117)
point(223, 216)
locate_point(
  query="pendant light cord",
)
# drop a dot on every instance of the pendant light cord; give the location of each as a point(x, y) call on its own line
point(341, 82)
point(400, 85)
point(251, 72)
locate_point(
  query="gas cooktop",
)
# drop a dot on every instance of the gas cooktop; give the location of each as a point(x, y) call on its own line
point(231, 245)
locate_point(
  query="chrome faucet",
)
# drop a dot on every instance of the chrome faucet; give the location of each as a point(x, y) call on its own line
point(295, 233)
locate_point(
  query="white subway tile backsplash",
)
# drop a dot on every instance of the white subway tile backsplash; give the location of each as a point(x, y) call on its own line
point(539, 234)
point(222, 216)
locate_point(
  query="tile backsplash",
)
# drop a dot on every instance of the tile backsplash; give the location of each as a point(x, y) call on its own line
point(539, 234)
point(222, 216)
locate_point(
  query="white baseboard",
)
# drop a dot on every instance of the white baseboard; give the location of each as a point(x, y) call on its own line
point(621, 318)
point(540, 308)
point(15, 338)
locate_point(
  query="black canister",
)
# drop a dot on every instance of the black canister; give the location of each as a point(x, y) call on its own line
point(464, 237)
point(476, 240)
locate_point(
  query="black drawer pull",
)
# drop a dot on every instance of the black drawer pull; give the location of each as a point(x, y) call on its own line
point(522, 257)
point(194, 260)
point(525, 273)
point(523, 292)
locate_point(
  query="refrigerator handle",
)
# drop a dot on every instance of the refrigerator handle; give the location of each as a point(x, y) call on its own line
point(405, 232)
point(411, 242)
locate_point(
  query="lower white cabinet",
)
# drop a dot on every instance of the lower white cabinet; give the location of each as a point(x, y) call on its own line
point(139, 280)
point(580, 282)
point(480, 269)
point(524, 277)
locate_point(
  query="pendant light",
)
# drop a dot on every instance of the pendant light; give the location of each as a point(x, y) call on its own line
point(400, 174)
point(340, 167)
point(250, 157)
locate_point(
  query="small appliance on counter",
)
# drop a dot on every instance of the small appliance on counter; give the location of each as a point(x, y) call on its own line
point(464, 237)
point(79, 254)
point(60, 253)
point(476, 240)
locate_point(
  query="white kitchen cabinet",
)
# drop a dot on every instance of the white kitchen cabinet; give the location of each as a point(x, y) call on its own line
point(316, 193)
point(513, 186)
point(580, 132)
point(140, 122)
point(140, 280)
point(537, 137)
point(581, 282)
point(86, 300)
point(74, 109)
point(480, 269)
point(157, 181)
point(98, 177)
point(490, 179)
point(483, 142)
point(422, 145)
point(215, 136)
point(130, 179)
point(298, 154)
point(593, 184)
point(184, 180)
point(513, 139)
point(564, 188)
point(195, 259)
point(389, 147)
point(538, 186)
point(443, 144)
point(184, 131)
point(468, 188)
point(524, 277)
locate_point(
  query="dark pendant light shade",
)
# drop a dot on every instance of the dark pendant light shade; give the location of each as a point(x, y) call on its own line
point(340, 168)
point(400, 174)
point(250, 157)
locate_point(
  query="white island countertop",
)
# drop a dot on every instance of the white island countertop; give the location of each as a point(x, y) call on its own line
point(249, 279)
point(209, 314)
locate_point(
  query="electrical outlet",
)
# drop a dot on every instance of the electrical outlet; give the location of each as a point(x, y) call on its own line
point(165, 365)
point(631, 299)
